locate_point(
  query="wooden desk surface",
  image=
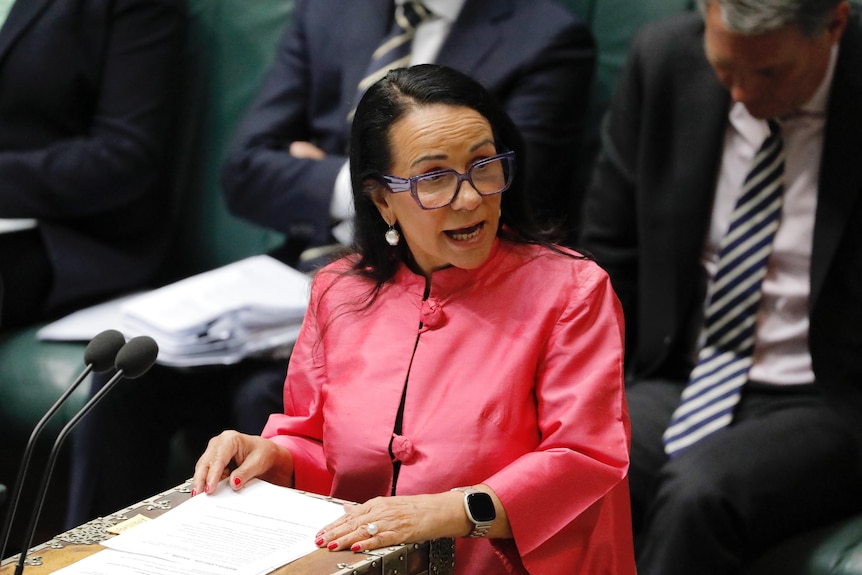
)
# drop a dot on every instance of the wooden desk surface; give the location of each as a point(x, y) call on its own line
point(74, 545)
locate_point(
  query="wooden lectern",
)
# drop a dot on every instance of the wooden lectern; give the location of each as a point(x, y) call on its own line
point(428, 558)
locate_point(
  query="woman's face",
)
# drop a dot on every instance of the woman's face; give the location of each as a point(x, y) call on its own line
point(438, 137)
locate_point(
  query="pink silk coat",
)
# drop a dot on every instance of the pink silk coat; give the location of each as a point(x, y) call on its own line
point(514, 375)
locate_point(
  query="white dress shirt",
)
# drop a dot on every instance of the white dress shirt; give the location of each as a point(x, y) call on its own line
point(5, 8)
point(781, 354)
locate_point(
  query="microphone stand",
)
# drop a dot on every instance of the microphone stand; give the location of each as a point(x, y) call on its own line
point(96, 355)
point(133, 360)
point(28, 454)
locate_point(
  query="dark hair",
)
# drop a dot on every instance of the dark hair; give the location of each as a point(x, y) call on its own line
point(386, 102)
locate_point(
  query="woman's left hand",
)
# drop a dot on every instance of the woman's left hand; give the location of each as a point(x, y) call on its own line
point(385, 521)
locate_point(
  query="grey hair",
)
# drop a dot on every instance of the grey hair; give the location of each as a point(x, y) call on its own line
point(761, 16)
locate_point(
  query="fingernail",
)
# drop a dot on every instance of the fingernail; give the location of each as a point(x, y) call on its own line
point(194, 492)
point(318, 541)
point(355, 547)
point(237, 481)
point(207, 488)
point(332, 546)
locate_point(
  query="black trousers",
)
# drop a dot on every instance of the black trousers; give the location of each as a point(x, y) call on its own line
point(121, 451)
point(786, 465)
point(26, 278)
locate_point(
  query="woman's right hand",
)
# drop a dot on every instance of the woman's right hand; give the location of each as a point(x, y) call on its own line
point(240, 458)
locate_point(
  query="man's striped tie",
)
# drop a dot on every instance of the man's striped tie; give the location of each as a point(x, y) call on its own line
point(715, 384)
point(394, 51)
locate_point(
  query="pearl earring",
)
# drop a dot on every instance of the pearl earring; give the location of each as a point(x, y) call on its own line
point(392, 236)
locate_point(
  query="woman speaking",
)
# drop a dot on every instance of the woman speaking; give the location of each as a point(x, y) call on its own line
point(458, 375)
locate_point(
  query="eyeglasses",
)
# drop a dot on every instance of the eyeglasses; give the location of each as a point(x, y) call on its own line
point(438, 189)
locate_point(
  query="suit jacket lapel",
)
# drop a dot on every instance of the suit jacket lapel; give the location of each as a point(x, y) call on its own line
point(701, 136)
point(840, 181)
point(22, 15)
point(474, 34)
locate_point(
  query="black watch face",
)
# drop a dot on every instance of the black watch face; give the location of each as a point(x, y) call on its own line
point(481, 507)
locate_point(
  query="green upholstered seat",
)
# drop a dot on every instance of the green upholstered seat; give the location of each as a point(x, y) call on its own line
point(833, 550)
point(231, 45)
point(32, 377)
point(613, 23)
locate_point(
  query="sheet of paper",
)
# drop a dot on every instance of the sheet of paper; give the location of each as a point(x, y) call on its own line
point(83, 325)
point(112, 562)
point(252, 532)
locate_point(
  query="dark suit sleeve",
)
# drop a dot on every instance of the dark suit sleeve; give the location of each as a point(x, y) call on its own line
point(648, 207)
point(609, 228)
point(548, 101)
point(262, 181)
point(90, 97)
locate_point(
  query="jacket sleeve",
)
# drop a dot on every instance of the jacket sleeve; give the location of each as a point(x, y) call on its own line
point(97, 122)
point(570, 492)
point(262, 181)
point(609, 229)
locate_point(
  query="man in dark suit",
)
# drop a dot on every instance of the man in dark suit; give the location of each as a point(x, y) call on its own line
point(532, 54)
point(702, 93)
point(86, 100)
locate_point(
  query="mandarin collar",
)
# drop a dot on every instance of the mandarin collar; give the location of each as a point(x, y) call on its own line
point(450, 280)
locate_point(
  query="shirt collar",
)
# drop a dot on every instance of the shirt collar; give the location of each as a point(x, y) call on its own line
point(445, 9)
point(5, 8)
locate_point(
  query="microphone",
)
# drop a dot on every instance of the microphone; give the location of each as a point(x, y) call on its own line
point(98, 356)
point(133, 360)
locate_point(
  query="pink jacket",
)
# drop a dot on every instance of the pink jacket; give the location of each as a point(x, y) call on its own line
point(514, 377)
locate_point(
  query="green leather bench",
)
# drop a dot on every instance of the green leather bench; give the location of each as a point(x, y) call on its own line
point(230, 45)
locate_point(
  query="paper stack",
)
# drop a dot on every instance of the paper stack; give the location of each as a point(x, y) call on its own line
point(224, 315)
point(250, 307)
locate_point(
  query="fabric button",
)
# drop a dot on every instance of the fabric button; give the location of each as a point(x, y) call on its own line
point(432, 314)
point(402, 448)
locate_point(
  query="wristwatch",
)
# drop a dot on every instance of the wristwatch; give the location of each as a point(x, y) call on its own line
point(480, 510)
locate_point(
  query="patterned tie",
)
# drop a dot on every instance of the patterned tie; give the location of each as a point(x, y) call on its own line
point(716, 382)
point(394, 51)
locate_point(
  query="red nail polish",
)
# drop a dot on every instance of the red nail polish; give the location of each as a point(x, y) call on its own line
point(355, 547)
point(332, 546)
point(194, 492)
point(207, 488)
point(237, 481)
point(318, 541)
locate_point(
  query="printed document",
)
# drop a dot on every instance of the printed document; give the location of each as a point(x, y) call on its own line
point(251, 307)
point(250, 532)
